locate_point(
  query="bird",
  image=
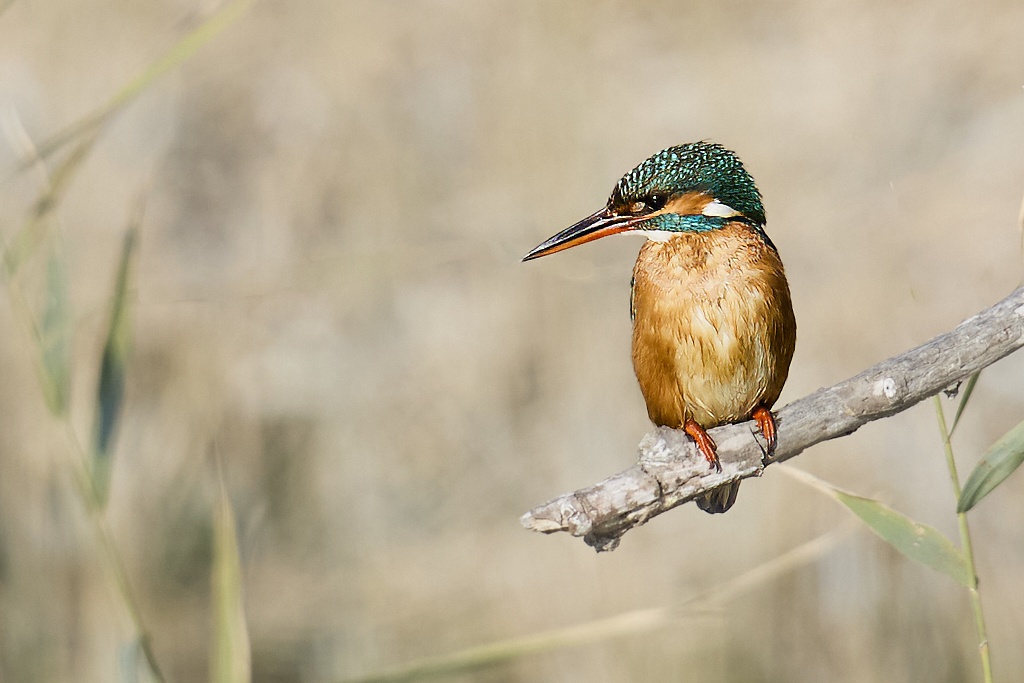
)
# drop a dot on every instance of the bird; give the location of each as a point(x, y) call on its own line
point(713, 325)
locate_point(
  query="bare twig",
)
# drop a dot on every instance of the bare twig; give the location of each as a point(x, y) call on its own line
point(671, 471)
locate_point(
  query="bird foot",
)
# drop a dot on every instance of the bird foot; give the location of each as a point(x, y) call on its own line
point(766, 423)
point(704, 442)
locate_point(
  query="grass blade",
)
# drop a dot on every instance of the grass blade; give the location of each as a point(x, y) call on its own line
point(37, 224)
point(180, 52)
point(996, 465)
point(55, 336)
point(919, 542)
point(967, 391)
point(110, 391)
point(230, 659)
point(600, 630)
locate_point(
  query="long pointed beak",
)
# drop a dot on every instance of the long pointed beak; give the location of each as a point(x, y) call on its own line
point(595, 226)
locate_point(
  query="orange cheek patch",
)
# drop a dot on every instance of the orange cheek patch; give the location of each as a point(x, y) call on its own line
point(688, 204)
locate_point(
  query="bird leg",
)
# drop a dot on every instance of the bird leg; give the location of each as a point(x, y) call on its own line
point(766, 423)
point(704, 442)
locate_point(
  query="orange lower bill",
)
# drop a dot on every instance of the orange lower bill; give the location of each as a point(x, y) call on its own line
point(593, 227)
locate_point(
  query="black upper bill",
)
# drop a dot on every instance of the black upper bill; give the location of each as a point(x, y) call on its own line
point(593, 227)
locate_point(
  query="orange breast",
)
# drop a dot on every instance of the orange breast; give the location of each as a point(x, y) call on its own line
point(713, 328)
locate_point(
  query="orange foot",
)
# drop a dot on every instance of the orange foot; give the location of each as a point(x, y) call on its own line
point(704, 442)
point(766, 423)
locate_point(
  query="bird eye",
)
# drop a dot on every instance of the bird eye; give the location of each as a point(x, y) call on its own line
point(653, 202)
point(656, 201)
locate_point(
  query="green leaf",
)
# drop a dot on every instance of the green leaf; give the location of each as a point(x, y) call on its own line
point(997, 464)
point(230, 659)
point(919, 542)
point(110, 391)
point(55, 336)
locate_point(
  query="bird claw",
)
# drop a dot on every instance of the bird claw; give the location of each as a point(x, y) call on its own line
point(704, 442)
point(766, 423)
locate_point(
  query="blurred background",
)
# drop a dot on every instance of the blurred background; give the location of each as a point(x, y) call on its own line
point(328, 298)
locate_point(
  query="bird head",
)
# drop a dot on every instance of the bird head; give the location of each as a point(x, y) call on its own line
point(694, 187)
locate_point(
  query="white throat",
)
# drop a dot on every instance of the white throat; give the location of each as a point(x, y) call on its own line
point(657, 235)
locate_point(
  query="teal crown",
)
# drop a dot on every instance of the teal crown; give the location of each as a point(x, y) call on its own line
point(694, 167)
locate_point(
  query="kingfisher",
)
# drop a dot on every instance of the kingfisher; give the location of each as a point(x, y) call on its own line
point(713, 324)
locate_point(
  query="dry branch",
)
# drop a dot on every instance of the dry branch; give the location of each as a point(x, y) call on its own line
point(671, 471)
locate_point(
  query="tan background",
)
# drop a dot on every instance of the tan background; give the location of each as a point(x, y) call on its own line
point(329, 295)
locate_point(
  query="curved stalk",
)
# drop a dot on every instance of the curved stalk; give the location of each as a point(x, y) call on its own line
point(965, 543)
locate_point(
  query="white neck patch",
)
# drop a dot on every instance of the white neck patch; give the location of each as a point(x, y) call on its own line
point(657, 235)
point(719, 210)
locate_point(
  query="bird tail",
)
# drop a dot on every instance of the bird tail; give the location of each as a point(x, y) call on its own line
point(718, 499)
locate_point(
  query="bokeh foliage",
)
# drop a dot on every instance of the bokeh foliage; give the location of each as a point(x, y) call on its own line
point(326, 295)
